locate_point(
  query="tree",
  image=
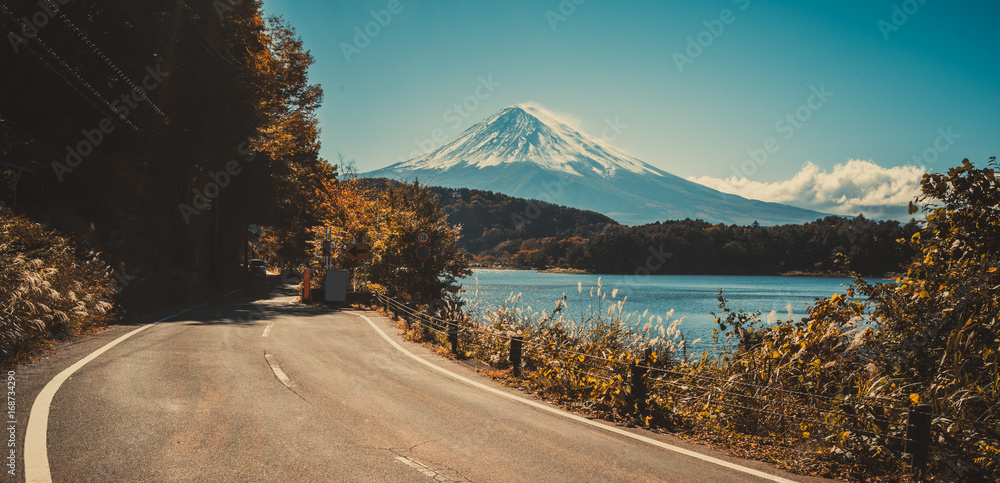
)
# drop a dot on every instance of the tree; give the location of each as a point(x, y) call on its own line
point(400, 212)
point(940, 323)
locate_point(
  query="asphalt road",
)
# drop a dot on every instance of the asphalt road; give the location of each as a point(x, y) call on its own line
point(256, 388)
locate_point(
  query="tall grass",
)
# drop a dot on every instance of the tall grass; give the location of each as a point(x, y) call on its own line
point(580, 358)
point(49, 288)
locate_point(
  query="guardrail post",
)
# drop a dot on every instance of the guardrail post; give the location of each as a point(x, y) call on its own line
point(453, 336)
point(305, 285)
point(515, 355)
point(918, 435)
point(639, 390)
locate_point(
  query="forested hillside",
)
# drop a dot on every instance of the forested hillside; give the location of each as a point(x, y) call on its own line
point(501, 230)
point(869, 247)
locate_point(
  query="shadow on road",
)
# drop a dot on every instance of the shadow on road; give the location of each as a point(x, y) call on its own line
point(270, 298)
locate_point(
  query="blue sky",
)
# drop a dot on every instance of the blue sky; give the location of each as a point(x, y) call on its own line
point(896, 83)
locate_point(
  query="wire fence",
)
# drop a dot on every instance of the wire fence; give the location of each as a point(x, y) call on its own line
point(878, 423)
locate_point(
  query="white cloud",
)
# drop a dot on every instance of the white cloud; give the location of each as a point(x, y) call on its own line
point(855, 187)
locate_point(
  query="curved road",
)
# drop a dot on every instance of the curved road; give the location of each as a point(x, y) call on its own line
point(256, 388)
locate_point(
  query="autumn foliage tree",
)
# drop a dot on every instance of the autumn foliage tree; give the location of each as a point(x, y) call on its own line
point(388, 218)
point(402, 211)
point(940, 324)
point(932, 336)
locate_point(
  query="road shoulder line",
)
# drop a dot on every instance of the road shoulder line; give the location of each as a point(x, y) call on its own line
point(36, 455)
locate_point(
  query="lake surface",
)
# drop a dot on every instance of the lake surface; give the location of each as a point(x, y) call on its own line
point(690, 296)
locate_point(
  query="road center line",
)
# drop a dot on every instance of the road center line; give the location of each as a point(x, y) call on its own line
point(581, 419)
point(36, 456)
point(267, 330)
point(280, 374)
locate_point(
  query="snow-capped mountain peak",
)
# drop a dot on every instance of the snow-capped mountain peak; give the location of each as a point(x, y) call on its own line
point(529, 133)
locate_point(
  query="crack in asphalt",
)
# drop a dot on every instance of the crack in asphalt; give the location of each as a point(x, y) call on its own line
point(283, 383)
point(430, 466)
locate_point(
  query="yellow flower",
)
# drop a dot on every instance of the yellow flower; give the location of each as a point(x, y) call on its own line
point(915, 398)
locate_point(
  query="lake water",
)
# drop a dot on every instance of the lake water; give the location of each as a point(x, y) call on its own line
point(690, 296)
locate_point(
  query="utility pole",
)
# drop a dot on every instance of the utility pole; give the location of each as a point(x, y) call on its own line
point(327, 248)
point(365, 288)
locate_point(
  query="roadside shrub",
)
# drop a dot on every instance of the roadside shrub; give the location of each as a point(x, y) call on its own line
point(810, 384)
point(49, 288)
point(585, 362)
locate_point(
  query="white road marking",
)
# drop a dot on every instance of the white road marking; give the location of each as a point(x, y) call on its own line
point(426, 470)
point(581, 419)
point(280, 374)
point(267, 330)
point(36, 456)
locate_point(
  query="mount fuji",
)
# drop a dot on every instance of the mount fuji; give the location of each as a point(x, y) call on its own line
point(526, 151)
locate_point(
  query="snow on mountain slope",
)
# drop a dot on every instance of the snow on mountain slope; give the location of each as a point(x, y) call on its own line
point(526, 151)
point(528, 133)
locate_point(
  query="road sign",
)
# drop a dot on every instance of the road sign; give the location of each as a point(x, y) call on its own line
point(359, 251)
point(423, 252)
point(423, 237)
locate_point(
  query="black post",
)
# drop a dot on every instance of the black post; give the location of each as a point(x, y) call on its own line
point(639, 390)
point(453, 337)
point(515, 354)
point(918, 435)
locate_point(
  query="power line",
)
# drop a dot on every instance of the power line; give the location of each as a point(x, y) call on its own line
point(67, 67)
point(117, 118)
point(94, 48)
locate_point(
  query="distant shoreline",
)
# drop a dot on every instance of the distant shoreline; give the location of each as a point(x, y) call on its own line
point(801, 273)
point(564, 270)
point(793, 273)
